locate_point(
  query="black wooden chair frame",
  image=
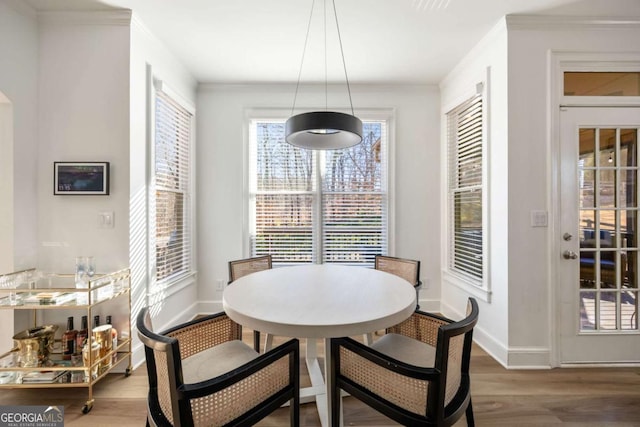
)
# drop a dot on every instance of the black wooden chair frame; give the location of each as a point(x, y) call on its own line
point(185, 392)
point(436, 414)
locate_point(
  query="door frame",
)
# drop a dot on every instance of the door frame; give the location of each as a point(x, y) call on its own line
point(559, 62)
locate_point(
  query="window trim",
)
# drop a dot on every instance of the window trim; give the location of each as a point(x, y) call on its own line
point(478, 288)
point(251, 114)
point(163, 289)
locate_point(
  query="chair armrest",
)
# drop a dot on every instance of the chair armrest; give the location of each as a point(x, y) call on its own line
point(388, 363)
point(204, 333)
point(421, 326)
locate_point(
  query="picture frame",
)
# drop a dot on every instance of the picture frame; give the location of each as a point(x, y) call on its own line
point(81, 178)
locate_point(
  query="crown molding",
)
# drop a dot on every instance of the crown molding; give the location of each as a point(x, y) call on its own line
point(93, 17)
point(555, 22)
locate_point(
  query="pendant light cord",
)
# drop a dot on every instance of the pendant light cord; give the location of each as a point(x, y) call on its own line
point(304, 50)
point(344, 65)
point(326, 91)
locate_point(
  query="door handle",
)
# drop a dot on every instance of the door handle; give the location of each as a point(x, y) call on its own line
point(569, 255)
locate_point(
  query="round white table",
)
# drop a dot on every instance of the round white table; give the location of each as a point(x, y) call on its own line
point(319, 301)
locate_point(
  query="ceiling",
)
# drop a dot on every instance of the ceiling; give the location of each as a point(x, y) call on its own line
point(384, 41)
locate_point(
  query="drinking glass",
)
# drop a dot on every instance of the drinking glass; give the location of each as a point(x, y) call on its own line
point(90, 266)
point(81, 280)
point(13, 298)
point(81, 268)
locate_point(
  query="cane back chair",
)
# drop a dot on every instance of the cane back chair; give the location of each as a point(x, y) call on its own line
point(417, 374)
point(201, 373)
point(242, 267)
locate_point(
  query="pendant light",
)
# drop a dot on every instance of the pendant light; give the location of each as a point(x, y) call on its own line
point(323, 130)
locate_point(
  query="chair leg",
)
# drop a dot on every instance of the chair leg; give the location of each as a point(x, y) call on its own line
point(268, 342)
point(469, 412)
point(294, 412)
point(256, 341)
point(368, 339)
point(336, 411)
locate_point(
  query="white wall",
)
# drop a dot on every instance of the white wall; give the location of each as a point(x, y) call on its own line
point(531, 296)
point(18, 145)
point(517, 326)
point(485, 63)
point(91, 68)
point(149, 57)
point(84, 116)
point(221, 143)
point(19, 84)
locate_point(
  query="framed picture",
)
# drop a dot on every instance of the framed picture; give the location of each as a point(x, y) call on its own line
point(81, 178)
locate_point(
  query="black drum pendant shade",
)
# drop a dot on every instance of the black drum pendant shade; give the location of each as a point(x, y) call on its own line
point(323, 130)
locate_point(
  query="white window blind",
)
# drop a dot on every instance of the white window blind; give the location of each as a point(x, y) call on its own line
point(172, 198)
point(465, 142)
point(317, 206)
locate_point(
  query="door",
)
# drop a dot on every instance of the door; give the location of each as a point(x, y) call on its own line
point(598, 273)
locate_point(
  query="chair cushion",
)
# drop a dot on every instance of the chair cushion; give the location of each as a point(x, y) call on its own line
point(216, 361)
point(406, 350)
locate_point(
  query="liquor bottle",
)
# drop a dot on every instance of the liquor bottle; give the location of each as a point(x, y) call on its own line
point(69, 340)
point(82, 335)
point(114, 338)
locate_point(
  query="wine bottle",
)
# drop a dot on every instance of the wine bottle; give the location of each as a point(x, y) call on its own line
point(82, 334)
point(69, 340)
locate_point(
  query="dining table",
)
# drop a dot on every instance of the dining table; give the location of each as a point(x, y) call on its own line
point(319, 302)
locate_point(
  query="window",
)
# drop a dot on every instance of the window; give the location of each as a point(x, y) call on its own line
point(609, 83)
point(172, 198)
point(311, 206)
point(465, 190)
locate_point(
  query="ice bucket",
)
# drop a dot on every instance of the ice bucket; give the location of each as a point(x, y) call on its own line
point(35, 344)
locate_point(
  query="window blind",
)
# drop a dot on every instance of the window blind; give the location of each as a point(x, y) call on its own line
point(308, 206)
point(354, 202)
point(172, 186)
point(466, 188)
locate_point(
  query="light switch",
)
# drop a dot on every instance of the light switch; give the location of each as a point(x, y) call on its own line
point(539, 218)
point(106, 219)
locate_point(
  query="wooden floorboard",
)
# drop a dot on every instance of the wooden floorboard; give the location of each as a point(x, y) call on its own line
point(570, 397)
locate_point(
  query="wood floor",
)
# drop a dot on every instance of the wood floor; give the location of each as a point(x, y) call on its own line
point(586, 397)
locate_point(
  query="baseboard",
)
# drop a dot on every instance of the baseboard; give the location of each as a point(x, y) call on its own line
point(208, 307)
point(429, 305)
point(510, 357)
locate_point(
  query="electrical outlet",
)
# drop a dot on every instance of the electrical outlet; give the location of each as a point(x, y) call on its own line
point(220, 285)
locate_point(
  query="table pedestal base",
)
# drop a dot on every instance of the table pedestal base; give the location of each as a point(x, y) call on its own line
point(320, 384)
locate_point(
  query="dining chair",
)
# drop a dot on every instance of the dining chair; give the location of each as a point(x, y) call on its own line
point(416, 374)
point(407, 269)
point(201, 373)
point(242, 267)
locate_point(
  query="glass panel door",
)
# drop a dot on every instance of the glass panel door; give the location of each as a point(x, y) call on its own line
point(598, 281)
point(607, 170)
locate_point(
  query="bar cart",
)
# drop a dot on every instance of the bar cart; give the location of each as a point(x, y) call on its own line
point(38, 362)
